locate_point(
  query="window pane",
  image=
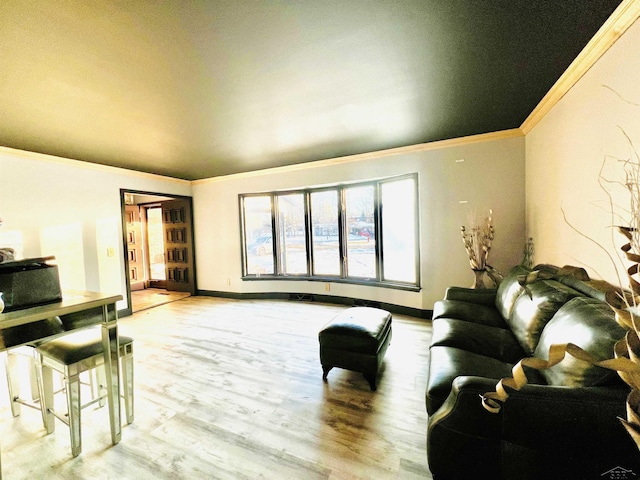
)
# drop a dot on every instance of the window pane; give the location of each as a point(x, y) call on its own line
point(293, 251)
point(361, 244)
point(399, 230)
point(258, 235)
point(325, 240)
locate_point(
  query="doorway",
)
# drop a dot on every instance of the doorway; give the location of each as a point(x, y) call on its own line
point(159, 249)
point(155, 243)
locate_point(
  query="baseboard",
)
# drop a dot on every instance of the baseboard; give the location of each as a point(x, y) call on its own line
point(308, 297)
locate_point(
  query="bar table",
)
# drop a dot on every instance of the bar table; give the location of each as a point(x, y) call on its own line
point(77, 309)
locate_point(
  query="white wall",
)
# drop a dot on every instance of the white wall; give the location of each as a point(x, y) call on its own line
point(564, 155)
point(54, 206)
point(491, 176)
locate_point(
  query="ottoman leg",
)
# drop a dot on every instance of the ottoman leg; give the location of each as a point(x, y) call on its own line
point(325, 372)
point(371, 378)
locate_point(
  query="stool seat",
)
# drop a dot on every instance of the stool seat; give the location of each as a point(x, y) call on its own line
point(77, 346)
point(356, 340)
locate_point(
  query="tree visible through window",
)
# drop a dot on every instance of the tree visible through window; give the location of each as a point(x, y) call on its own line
point(292, 234)
point(325, 232)
point(258, 235)
point(361, 239)
point(366, 232)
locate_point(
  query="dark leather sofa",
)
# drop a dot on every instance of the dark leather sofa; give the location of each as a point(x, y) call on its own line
point(564, 423)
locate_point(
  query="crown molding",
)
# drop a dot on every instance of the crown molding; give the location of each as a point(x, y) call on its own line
point(620, 20)
point(421, 147)
point(44, 157)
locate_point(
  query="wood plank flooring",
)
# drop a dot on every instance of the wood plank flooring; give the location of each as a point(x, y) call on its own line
point(228, 389)
point(152, 297)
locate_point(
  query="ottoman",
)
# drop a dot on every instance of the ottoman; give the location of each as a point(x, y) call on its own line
point(356, 340)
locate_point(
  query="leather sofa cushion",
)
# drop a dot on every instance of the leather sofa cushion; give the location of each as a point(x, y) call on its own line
point(578, 279)
point(494, 342)
point(590, 324)
point(591, 288)
point(471, 312)
point(530, 314)
point(447, 363)
point(509, 290)
point(482, 296)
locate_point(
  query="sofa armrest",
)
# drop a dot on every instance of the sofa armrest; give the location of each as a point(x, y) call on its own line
point(577, 428)
point(462, 406)
point(536, 428)
point(558, 417)
point(482, 296)
point(463, 439)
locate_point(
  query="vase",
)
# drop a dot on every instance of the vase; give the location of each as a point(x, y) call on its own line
point(1, 303)
point(479, 280)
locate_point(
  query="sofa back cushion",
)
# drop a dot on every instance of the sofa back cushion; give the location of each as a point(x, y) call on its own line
point(591, 325)
point(592, 288)
point(534, 308)
point(509, 290)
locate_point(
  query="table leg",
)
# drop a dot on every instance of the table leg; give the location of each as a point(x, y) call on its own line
point(112, 368)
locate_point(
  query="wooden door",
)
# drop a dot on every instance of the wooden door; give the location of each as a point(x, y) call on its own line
point(137, 275)
point(178, 236)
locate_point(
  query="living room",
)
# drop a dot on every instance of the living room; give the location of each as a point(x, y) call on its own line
point(540, 179)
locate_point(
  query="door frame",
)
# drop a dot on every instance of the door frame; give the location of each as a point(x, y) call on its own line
point(124, 192)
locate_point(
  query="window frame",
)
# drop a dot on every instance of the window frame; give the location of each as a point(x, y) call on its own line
point(343, 235)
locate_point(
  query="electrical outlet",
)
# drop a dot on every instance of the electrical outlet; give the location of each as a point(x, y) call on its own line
point(228, 281)
point(111, 252)
point(327, 287)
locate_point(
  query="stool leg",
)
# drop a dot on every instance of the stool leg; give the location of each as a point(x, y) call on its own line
point(42, 394)
point(100, 391)
point(33, 378)
point(72, 381)
point(11, 364)
point(45, 379)
point(127, 380)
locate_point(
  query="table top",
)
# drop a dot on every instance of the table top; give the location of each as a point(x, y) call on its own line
point(72, 301)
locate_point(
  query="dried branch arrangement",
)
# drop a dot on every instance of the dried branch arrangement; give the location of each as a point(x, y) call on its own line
point(477, 241)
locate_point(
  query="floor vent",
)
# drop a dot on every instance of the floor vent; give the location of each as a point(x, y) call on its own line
point(358, 302)
point(301, 297)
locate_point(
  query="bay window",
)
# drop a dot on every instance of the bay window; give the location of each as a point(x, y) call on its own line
point(363, 233)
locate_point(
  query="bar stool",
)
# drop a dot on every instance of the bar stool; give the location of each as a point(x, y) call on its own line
point(20, 345)
point(71, 355)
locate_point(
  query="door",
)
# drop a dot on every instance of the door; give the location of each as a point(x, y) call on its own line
point(135, 244)
point(178, 236)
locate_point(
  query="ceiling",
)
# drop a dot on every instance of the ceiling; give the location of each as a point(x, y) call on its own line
point(197, 89)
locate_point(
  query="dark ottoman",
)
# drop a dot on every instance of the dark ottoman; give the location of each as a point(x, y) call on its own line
point(356, 340)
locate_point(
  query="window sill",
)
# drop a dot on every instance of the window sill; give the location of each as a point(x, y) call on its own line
point(351, 281)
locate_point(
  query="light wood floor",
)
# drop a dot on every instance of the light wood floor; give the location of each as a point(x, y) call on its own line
point(152, 297)
point(229, 389)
